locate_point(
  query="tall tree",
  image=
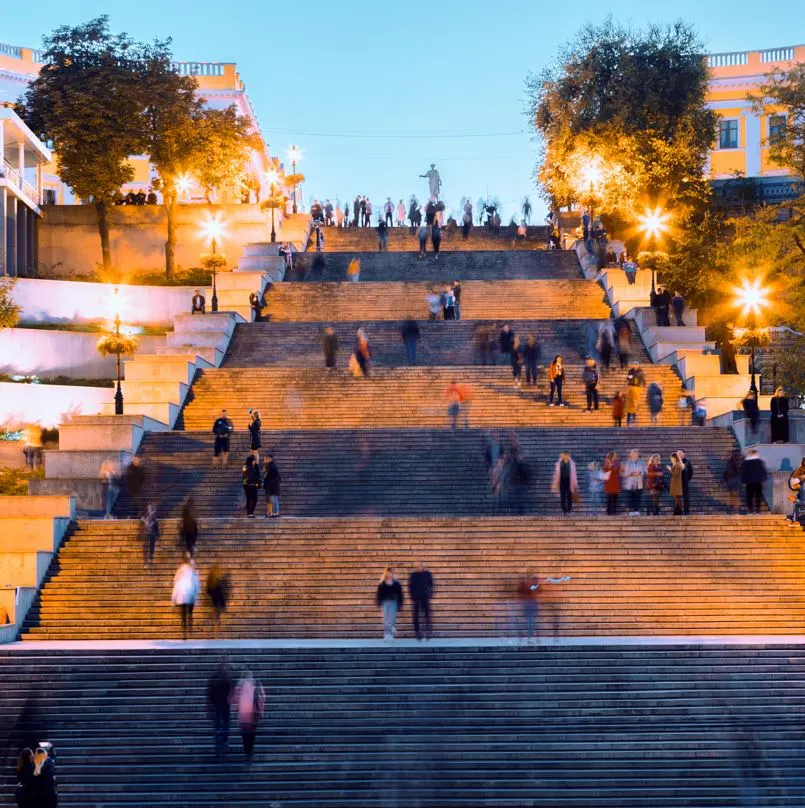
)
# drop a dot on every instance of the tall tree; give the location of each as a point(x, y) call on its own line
point(622, 123)
point(224, 145)
point(171, 125)
point(87, 102)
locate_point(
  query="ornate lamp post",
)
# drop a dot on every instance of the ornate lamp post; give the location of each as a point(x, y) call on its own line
point(653, 223)
point(117, 344)
point(752, 297)
point(274, 200)
point(294, 155)
point(213, 230)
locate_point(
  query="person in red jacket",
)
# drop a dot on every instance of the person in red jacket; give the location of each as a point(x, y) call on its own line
point(612, 482)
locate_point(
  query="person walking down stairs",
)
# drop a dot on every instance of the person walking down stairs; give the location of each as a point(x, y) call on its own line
point(222, 429)
point(382, 235)
point(420, 589)
point(565, 482)
point(362, 354)
point(251, 484)
point(410, 336)
point(150, 528)
point(219, 693)
point(189, 526)
point(436, 238)
point(354, 269)
point(612, 482)
point(390, 599)
point(531, 354)
point(753, 475)
point(185, 592)
point(218, 593)
point(590, 377)
point(271, 483)
point(250, 698)
point(422, 235)
point(329, 347)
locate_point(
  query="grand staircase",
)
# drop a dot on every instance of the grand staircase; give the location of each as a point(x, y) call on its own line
point(673, 679)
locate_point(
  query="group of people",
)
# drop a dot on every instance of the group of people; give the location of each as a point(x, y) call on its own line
point(632, 476)
point(137, 198)
point(36, 778)
point(247, 696)
point(389, 598)
point(778, 414)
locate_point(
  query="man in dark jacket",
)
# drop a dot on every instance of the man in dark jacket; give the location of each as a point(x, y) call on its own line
point(420, 588)
point(219, 692)
point(661, 302)
point(590, 377)
point(222, 429)
point(687, 475)
point(410, 336)
point(271, 483)
point(329, 347)
point(198, 304)
point(753, 476)
point(506, 341)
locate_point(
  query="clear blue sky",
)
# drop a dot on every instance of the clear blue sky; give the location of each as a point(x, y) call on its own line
point(355, 85)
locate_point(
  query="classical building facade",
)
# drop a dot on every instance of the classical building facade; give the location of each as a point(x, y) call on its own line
point(741, 149)
point(219, 85)
point(22, 160)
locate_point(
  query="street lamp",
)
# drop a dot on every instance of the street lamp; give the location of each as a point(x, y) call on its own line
point(653, 223)
point(214, 229)
point(183, 184)
point(271, 178)
point(294, 155)
point(591, 177)
point(752, 298)
point(116, 306)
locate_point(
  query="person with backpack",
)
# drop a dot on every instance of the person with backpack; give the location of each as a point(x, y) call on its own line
point(590, 377)
point(222, 429)
point(655, 402)
point(271, 483)
point(251, 484)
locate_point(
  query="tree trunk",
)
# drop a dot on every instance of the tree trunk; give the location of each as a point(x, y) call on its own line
point(170, 244)
point(102, 211)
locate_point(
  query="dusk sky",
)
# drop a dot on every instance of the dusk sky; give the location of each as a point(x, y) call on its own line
point(373, 96)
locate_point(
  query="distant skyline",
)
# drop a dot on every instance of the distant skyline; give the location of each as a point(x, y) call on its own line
point(373, 97)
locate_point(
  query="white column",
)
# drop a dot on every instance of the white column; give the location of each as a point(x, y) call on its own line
point(39, 190)
point(3, 225)
point(2, 142)
point(752, 145)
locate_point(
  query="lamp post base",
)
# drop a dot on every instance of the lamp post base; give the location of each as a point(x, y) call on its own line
point(118, 400)
point(214, 300)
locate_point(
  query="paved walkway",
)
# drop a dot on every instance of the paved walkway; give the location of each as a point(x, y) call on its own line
point(448, 642)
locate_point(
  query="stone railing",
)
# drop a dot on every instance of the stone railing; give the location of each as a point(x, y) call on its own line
point(727, 59)
point(777, 55)
point(10, 50)
point(13, 175)
point(199, 68)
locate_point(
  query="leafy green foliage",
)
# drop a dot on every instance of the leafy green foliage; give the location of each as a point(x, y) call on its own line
point(9, 310)
point(87, 102)
point(116, 345)
point(791, 368)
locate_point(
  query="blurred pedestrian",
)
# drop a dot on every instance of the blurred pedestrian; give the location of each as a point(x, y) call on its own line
point(457, 296)
point(189, 526)
point(218, 587)
point(354, 269)
point(678, 307)
point(436, 237)
point(751, 410)
point(382, 235)
point(655, 483)
point(222, 429)
point(43, 780)
point(251, 484)
point(753, 476)
point(531, 354)
point(675, 486)
point(410, 337)
point(422, 235)
point(605, 343)
point(565, 481)
point(453, 396)
point(655, 402)
point(329, 347)
point(618, 408)
point(255, 427)
point(733, 477)
point(150, 526)
point(110, 484)
point(590, 376)
point(516, 362)
point(612, 482)
point(529, 589)
point(185, 592)
point(687, 476)
point(401, 214)
point(219, 694)
point(390, 599)
point(796, 484)
point(250, 698)
point(556, 376)
point(271, 482)
point(633, 396)
point(449, 303)
point(505, 341)
point(624, 346)
point(420, 589)
point(135, 483)
point(434, 304)
point(595, 486)
point(634, 473)
point(363, 352)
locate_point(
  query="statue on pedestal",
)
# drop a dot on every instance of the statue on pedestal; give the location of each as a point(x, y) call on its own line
point(434, 181)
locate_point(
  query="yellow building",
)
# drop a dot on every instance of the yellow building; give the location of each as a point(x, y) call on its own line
point(219, 85)
point(742, 142)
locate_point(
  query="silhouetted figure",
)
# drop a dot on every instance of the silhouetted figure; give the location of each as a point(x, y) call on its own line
point(189, 526)
point(753, 475)
point(329, 347)
point(185, 592)
point(219, 694)
point(198, 303)
point(250, 700)
point(410, 336)
point(420, 589)
point(218, 588)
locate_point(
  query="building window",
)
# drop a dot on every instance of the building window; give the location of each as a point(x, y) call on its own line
point(777, 124)
point(728, 135)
